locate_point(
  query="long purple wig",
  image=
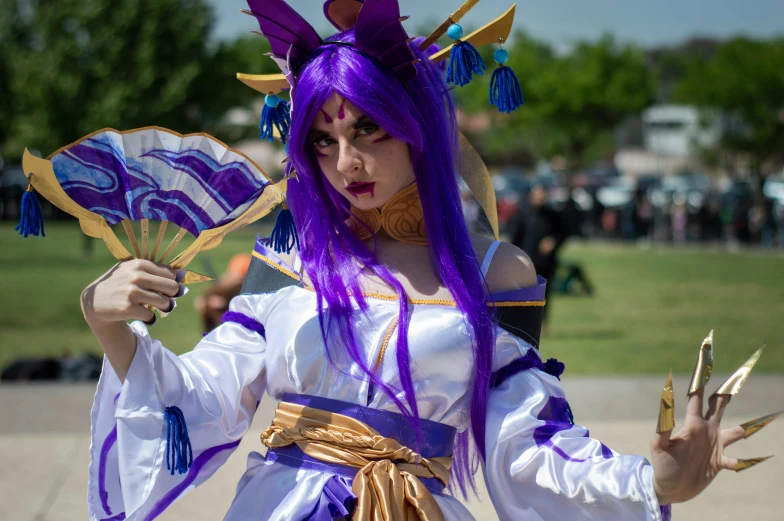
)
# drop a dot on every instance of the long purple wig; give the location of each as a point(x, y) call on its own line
point(419, 113)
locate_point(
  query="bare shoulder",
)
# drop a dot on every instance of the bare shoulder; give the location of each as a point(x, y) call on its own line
point(510, 269)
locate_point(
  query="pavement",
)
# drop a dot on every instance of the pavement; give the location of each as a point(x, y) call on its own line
point(44, 449)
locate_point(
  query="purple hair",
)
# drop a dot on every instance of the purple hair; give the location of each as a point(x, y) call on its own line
point(421, 114)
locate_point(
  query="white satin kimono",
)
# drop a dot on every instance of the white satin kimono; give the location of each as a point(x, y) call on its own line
point(538, 466)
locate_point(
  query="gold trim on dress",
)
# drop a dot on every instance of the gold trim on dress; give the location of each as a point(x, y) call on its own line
point(273, 264)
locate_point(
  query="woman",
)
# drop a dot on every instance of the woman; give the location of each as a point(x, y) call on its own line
point(382, 329)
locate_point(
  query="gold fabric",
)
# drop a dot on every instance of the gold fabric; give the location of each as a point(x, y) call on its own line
point(401, 217)
point(387, 483)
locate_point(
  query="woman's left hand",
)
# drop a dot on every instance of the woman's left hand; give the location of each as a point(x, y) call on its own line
point(685, 464)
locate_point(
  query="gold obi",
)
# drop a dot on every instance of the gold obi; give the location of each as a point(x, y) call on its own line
point(387, 483)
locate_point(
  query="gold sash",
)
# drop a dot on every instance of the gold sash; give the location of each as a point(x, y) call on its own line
point(387, 483)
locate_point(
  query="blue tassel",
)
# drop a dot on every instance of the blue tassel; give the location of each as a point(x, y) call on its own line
point(505, 92)
point(31, 219)
point(284, 236)
point(179, 455)
point(276, 114)
point(464, 62)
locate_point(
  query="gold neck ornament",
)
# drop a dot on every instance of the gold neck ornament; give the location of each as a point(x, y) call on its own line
point(401, 218)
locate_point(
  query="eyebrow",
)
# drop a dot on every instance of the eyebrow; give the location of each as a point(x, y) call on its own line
point(362, 120)
point(317, 134)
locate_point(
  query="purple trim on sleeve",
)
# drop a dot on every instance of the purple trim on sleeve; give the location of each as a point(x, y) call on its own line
point(666, 512)
point(245, 321)
point(198, 463)
point(531, 293)
point(118, 517)
point(111, 439)
point(529, 361)
point(606, 451)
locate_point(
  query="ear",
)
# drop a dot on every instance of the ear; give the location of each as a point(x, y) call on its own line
point(342, 13)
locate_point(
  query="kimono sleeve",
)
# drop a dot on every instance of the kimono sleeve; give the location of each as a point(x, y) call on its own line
point(213, 391)
point(541, 466)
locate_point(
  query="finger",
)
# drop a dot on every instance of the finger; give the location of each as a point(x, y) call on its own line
point(717, 404)
point(738, 465)
point(695, 405)
point(142, 313)
point(150, 298)
point(666, 422)
point(168, 287)
point(732, 435)
point(153, 268)
point(735, 382)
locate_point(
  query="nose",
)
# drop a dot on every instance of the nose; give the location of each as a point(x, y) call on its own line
point(349, 159)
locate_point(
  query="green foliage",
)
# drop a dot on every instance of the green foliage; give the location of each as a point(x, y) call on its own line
point(83, 66)
point(745, 78)
point(572, 100)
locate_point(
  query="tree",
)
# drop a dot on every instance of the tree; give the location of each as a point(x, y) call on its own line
point(573, 101)
point(745, 78)
point(85, 65)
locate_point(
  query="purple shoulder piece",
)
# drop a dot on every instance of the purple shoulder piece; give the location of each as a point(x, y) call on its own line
point(380, 34)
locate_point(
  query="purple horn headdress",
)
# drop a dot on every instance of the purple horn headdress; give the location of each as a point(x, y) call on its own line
point(379, 33)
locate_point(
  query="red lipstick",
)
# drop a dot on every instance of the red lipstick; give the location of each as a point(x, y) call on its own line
point(356, 189)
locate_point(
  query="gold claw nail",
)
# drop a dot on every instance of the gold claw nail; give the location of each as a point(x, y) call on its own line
point(702, 370)
point(755, 426)
point(744, 464)
point(735, 382)
point(667, 408)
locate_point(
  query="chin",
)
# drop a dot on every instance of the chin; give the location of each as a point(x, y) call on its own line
point(368, 202)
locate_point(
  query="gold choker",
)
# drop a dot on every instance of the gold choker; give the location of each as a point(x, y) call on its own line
point(401, 217)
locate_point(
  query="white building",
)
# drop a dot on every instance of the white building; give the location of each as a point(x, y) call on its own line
point(679, 130)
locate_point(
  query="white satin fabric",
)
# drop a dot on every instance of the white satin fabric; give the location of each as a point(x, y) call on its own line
point(218, 385)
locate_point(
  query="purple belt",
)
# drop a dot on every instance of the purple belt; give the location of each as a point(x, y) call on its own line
point(436, 438)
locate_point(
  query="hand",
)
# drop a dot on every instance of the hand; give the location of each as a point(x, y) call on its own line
point(123, 292)
point(546, 246)
point(685, 464)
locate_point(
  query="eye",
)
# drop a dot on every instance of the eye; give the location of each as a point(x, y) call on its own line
point(323, 142)
point(367, 129)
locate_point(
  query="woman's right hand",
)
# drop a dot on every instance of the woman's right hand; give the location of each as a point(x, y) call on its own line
point(122, 293)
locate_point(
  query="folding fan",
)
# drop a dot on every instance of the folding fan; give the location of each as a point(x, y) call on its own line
point(151, 174)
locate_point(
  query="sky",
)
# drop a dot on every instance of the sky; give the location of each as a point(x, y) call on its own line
point(562, 22)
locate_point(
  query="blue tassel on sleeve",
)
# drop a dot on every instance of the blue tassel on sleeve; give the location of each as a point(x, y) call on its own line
point(505, 92)
point(464, 59)
point(179, 455)
point(31, 219)
point(276, 114)
point(284, 236)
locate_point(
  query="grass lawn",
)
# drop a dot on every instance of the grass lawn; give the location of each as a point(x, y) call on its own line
point(650, 312)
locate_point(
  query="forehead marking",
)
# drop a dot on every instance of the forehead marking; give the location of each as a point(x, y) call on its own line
point(326, 116)
point(341, 111)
